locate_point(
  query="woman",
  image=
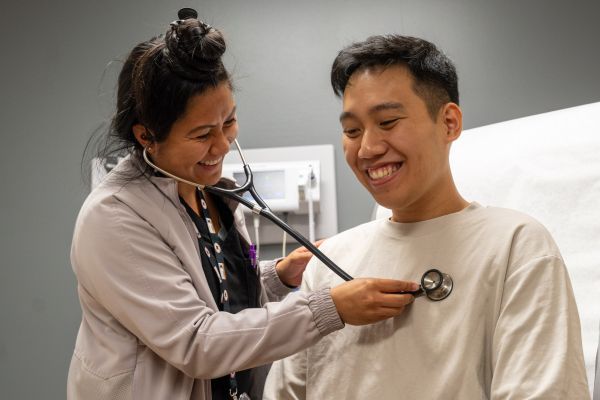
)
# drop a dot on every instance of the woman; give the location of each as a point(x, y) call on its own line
point(173, 307)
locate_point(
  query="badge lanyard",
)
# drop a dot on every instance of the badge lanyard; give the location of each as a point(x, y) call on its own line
point(217, 261)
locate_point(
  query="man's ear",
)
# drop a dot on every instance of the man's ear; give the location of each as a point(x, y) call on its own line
point(452, 119)
point(142, 135)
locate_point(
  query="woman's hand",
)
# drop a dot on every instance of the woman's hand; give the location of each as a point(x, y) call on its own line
point(363, 301)
point(291, 268)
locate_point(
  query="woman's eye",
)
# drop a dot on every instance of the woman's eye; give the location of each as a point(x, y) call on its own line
point(230, 122)
point(201, 137)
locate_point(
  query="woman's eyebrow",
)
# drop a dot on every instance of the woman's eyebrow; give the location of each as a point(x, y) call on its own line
point(232, 112)
point(210, 126)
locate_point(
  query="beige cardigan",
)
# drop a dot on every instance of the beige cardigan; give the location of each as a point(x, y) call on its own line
point(150, 327)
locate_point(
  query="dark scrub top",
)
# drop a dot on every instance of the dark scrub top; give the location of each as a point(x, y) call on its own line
point(242, 281)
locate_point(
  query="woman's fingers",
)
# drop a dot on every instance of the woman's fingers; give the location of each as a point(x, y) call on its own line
point(395, 286)
point(367, 300)
point(396, 300)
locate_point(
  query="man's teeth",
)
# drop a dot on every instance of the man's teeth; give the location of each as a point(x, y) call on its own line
point(210, 162)
point(378, 173)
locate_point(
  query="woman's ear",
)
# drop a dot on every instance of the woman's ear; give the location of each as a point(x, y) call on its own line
point(452, 119)
point(142, 135)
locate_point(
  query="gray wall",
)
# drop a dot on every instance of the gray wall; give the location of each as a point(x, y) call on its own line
point(515, 58)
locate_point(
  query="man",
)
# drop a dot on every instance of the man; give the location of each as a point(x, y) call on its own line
point(509, 330)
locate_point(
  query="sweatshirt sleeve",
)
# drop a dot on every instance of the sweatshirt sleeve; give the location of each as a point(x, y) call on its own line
point(537, 351)
point(124, 263)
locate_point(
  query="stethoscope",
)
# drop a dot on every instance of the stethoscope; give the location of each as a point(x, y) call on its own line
point(435, 284)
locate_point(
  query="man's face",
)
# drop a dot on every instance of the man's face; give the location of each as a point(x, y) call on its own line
point(394, 147)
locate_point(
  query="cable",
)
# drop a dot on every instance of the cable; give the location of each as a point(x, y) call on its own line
point(311, 214)
point(283, 240)
point(256, 220)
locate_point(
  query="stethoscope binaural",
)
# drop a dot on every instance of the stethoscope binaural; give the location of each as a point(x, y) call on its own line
point(435, 284)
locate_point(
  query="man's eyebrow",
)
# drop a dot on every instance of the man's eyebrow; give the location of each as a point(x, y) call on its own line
point(375, 109)
point(386, 106)
point(346, 115)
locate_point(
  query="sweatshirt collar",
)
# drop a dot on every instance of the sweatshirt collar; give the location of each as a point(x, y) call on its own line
point(430, 226)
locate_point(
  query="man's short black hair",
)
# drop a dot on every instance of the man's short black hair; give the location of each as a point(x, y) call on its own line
point(435, 79)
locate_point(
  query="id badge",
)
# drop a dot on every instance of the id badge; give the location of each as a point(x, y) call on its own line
point(243, 396)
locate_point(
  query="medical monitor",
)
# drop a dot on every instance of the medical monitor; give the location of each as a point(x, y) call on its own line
point(276, 183)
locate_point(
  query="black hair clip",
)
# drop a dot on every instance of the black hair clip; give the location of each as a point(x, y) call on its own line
point(187, 13)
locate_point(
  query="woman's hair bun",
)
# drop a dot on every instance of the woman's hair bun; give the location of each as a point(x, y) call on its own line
point(193, 44)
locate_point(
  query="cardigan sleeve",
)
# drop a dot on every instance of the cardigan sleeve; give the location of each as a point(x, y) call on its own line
point(125, 264)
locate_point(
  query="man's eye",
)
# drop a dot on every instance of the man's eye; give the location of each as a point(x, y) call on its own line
point(231, 121)
point(351, 132)
point(201, 137)
point(388, 122)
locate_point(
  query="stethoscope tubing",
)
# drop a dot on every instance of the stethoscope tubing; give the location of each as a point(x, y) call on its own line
point(261, 208)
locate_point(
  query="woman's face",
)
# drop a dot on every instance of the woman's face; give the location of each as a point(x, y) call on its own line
point(200, 138)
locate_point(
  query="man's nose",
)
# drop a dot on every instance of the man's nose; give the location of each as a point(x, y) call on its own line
point(371, 144)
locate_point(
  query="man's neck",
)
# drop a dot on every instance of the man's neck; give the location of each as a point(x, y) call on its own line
point(417, 213)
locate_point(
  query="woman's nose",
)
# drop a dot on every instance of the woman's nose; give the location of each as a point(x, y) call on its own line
point(222, 143)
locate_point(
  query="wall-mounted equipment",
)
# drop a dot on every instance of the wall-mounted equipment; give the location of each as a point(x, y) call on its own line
point(298, 188)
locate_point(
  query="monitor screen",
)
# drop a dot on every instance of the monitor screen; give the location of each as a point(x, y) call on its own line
point(270, 185)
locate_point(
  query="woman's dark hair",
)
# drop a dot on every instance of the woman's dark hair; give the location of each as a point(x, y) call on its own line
point(159, 77)
point(435, 79)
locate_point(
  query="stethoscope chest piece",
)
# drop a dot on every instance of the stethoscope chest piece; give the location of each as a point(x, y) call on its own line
point(436, 284)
